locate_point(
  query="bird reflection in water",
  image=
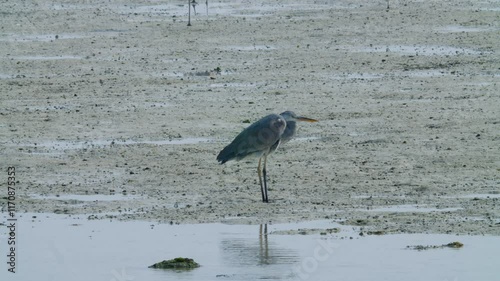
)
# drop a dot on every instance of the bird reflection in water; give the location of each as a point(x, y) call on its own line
point(246, 251)
point(264, 247)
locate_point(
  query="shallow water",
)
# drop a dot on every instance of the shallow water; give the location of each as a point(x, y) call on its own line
point(61, 247)
point(62, 144)
point(410, 208)
point(40, 37)
point(459, 28)
point(61, 57)
point(424, 50)
point(250, 48)
point(87, 198)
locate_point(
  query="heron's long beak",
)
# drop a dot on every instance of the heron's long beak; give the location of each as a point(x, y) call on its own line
point(305, 119)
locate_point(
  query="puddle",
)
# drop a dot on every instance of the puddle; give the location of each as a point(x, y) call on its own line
point(378, 196)
point(202, 74)
point(161, 10)
point(66, 6)
point(420, 50)
point(6, 76)
point(477, 195)
point(360, 76)
point(425, 73)
point(251, 10)
point(40, 37)
point(373, 76)
point(86, 198)
point(235, 84)
point(110, 30)
point(29, 38)
point(152, 9)
point(409, 209)
point(459, 28)
point(61, 247)
point(306, 138)
point(208, 73)
point(57, 145)
point(47, 58)
point(249, 48)
point(66, 106)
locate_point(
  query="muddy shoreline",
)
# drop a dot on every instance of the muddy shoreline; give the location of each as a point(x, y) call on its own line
point(118, 110)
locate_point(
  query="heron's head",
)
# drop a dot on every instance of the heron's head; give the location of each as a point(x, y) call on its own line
point(291, 116)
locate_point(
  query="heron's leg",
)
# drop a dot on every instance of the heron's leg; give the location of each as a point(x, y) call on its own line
point(189, 12)
point(265, 178)
point(259, 171)
point(207, 6)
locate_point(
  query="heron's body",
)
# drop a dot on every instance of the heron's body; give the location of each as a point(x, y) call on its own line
point(253, 141)
point(261, 139)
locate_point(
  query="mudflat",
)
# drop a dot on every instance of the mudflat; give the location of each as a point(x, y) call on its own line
point(118, 110)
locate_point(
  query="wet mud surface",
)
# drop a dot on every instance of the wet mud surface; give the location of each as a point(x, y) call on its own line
point(118, 110)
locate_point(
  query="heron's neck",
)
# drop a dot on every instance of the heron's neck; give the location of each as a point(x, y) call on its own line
point(289, 131)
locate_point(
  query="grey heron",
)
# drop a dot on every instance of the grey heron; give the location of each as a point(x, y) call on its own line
point(261, 139)
point(193, 3)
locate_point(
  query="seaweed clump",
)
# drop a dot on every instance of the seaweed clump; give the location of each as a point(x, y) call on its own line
point(454, 245)
point(177, 263)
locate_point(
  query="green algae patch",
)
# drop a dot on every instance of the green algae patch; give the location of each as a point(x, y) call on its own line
point(454, 245)
point(177, 263)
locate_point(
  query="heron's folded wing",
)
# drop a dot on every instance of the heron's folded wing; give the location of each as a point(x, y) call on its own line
point(257, 139)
